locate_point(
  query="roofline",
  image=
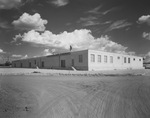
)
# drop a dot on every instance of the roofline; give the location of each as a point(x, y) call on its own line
point(68, 53)
point(115, 53)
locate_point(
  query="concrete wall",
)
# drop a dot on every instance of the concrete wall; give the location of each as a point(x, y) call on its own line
point(118, 61)
point(80, 65)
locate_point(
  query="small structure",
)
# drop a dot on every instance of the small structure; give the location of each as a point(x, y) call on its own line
point(82, 60)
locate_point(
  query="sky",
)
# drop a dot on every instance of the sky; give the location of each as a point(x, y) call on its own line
point(32, 28)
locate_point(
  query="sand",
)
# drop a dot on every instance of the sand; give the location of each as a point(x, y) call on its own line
point(30, 93)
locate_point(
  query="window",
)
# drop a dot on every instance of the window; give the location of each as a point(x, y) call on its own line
point(133, 59)
point(111, 59)
point(92, 58)
point(99, 58)
point(80, 58)
point(118, 57)
point(105, 58)
point(128, 60)
point(34, 61)
point(139, 59)
point(125, 60)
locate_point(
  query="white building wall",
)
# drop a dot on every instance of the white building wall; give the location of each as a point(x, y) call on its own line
point(118, 61)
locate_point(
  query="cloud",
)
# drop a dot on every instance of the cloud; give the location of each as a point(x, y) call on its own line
point(88, 21)
point(1, 51)
point(8, 4)
point(79, 39)
point(47, 52)
point(30, 22)
point(147, 58)
point(118, 25)
point(17, 56)
point(144, 19)
point(146, 35)
point(17, 37)
point(24, 57)
point(4, 25)
point(95, 10)
point(59, 3)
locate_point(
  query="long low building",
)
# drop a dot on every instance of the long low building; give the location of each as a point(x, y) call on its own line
point(82, 60)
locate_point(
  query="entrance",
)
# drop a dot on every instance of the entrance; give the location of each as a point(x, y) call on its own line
point(42, 64)
point(72, 62)
point(63, 63)
point(29, 64)
point(21, 65)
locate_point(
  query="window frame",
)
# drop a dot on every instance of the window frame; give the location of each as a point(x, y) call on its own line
point(111, 59)
point(92, 58)
point(105, 58)
point(99, 58)
point(80, 58)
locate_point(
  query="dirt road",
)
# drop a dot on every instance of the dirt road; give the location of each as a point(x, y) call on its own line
point(31, 96)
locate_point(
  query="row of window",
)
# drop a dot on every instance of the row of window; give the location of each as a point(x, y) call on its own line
point(99, 58)
point(125, 60)
point(111, 58)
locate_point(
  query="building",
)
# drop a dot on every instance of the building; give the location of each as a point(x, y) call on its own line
point(83, 60)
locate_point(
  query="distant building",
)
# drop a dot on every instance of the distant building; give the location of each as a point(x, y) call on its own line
point(82, 60)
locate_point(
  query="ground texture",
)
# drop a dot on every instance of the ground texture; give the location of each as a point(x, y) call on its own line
point(75, 96)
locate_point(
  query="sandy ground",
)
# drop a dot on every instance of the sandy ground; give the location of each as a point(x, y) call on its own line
point(68, 94)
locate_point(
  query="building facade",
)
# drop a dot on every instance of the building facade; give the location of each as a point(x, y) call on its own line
point(82, 60)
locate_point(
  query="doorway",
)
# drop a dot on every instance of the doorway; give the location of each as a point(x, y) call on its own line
point(29, 64)
point(72, 62)
point(63, 63)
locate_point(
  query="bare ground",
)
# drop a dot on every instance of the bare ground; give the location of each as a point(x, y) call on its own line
point(74, 96)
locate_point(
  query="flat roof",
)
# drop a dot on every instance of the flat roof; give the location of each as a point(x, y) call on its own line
point(68, 53)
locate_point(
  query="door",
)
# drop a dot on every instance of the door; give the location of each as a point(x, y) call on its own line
point(72, 62)
point(63, 63)
point(42, 64)
point(29, 64)
point(21, 65)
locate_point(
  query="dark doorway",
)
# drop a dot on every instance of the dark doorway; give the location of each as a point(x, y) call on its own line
point(21, 65)
point(63, 63)
point(72, 62)
point(42, 64)
point(29, 64)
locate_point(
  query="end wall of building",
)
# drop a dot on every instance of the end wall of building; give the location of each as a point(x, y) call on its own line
point(79, 60)
point(112, 61)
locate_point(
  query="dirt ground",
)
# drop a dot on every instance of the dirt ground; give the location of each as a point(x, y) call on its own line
point(64, 94)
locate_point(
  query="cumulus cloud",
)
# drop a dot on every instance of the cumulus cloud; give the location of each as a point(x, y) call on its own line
point(17, 56)
point(47, 52)
point(118, 25)
point(30, 22)
point(144, 19)
point(147, 58)
point(24, 57)
point(146, 35)
point(1, 51)
point(79, 39)
point(59, 3)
